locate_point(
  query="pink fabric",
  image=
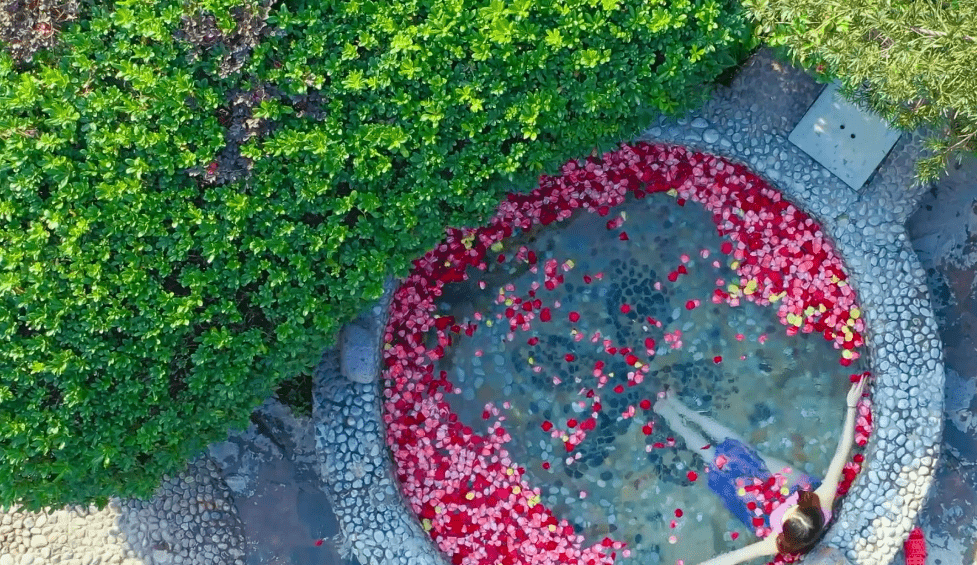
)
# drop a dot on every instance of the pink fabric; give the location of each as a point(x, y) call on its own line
point(777, 516)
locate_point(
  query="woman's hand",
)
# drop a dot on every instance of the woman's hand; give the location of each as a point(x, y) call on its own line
point(856, 392)
point(829, 486)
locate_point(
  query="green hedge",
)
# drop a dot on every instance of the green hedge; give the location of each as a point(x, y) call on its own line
point(161, 271)
point(911, 61)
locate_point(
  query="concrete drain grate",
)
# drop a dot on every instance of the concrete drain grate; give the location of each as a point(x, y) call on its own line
point(845, 139)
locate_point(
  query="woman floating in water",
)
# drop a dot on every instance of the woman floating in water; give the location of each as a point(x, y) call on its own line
point(795, 525)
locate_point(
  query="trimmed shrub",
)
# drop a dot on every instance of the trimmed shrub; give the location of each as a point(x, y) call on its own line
point(911, 61)
point(187, 223)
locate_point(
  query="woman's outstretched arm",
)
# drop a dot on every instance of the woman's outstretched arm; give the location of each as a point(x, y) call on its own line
point(766, 547)
point(829, 487)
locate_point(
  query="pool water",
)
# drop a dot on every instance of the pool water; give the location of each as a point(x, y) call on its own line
point(632, 315)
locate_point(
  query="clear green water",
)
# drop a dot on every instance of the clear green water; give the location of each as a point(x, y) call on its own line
point(783, 394)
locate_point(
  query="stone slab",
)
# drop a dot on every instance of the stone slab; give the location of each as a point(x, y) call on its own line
point(360, 354)
point(845, 139)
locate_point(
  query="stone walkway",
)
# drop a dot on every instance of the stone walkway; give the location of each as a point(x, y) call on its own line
point(944, 234)
point(73, 536)
point(191, 520)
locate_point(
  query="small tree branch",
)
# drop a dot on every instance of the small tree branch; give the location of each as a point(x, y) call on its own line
point(932, 33)
point(962, 142)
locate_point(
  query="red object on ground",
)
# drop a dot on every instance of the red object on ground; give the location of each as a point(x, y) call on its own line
point(915, 548)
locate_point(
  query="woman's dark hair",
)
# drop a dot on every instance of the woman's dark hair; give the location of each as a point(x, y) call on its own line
point(804, 527)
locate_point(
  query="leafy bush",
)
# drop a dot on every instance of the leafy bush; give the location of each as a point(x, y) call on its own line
point(911, 61)
point(184, 225)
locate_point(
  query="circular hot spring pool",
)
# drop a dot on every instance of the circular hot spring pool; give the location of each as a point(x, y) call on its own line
point(523, 362)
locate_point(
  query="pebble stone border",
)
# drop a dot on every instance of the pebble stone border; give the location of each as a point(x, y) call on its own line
point(903, 343)
point(190, 519)
point(376, 524)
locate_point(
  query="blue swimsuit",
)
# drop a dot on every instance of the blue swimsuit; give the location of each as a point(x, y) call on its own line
point(742, 463)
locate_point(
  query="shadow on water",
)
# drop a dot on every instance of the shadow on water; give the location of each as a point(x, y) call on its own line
point(284, 518)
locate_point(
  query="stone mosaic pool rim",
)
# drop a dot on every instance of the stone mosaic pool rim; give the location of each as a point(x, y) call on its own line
point(906, 359)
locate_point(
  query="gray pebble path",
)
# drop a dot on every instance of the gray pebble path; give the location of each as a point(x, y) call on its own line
point(191, 520)
point(376, 525)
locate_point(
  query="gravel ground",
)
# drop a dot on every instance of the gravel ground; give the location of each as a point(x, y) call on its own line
point(71, 536)
point(191, 520)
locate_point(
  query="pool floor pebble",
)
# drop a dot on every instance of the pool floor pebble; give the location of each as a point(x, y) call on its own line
point(785, 395)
